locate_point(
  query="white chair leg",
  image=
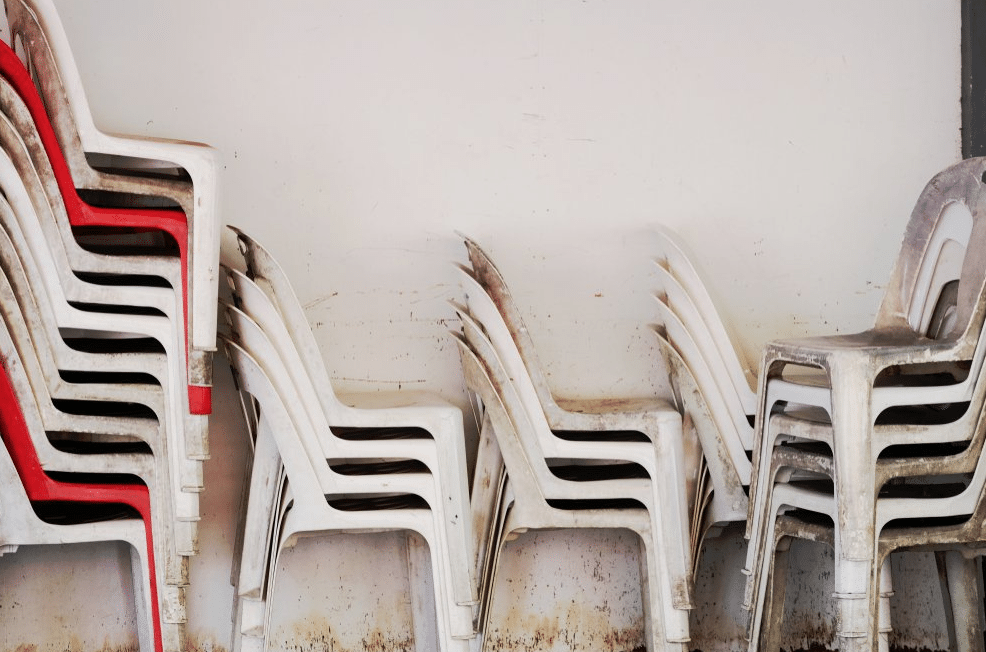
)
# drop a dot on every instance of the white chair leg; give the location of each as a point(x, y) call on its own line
point(963, 590)
point(886, 592)
point(420, 584)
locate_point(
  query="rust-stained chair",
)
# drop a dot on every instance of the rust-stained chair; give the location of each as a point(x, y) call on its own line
point(322, 498)
point(864, 378)
point(537, 494)
point(143, 169)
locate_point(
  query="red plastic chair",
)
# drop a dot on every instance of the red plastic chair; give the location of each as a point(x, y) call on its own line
point(42, 488)
point(81, 214)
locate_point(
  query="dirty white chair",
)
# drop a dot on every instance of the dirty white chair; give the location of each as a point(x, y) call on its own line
point(322, 444)
point(598, 415)
point(688, 296)
point(21, 225)
point(722, 498)
point(32, 122)
point(264, 326)
point(34, 164)
point(21, 526)
point(661, 461)
point(660, 452)
point(852, 395)
point(434, 424)
point(534, 497)
point(36, 26)
point(491, 303)
point(314, 497)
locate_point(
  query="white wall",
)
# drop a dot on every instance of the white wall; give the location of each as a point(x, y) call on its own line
point(786, 142)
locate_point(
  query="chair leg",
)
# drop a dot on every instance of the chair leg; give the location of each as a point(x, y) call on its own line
point(423, 607)
point(776, 588)
point(856, 586)
point(142, 606)
point(452, 618)
point(656, 630)
point(884, 627)
point(961, 575)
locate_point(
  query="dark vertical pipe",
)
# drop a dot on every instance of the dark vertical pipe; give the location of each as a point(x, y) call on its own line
point(973, 78)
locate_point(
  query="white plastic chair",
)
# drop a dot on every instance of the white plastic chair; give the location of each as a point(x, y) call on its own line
point(532, 489)
point(660, 461)
point(267, 296)
point(35, 231)
point(20, 526)
point(30, 160)
point(610, 413)
point(661, 454)
point(263, 324)
point(36, 25)
point(852, 364)
point(31, 109)
point(311, 510)
point(676, 268)
point(321, 443)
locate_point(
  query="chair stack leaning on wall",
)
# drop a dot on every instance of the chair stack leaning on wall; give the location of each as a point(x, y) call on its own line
point(105, 384)
point(321, 465)
point(549, 463)
point(885, 427)
point(873, 437)
point(712, 387)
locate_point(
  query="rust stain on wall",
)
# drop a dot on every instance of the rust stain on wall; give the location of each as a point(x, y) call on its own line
point(315, 634)
point(198, 644)
point(572, 628)
point(26, 647)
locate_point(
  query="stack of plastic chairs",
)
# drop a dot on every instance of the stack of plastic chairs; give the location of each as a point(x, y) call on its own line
point(548, 463)
point(884, 428)
point(107, 294)
point(321, 465)
point(712, 384)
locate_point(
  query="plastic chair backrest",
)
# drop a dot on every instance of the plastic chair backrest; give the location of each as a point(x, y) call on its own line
point(676, 261)
point(486, 273)
point(726, 455)
point(716, 350)
point(515, 456)
point(258, 308)
point(267, 274)
point(949, 207)
point(508, 396)
point(484, 311)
